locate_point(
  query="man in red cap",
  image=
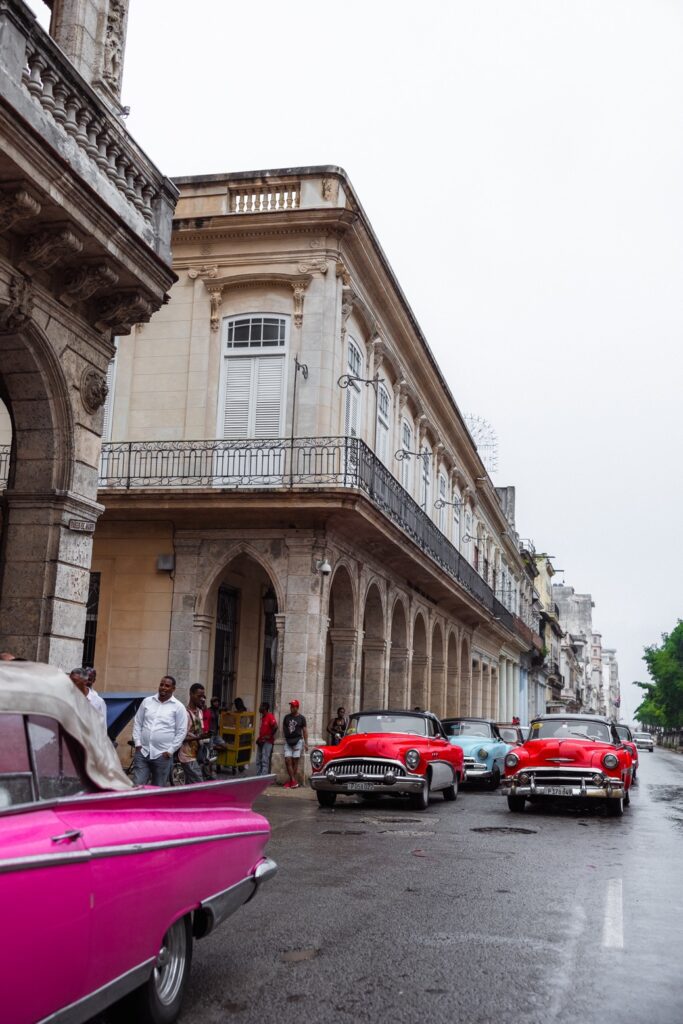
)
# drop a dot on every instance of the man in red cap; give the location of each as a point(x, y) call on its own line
point(296, 741)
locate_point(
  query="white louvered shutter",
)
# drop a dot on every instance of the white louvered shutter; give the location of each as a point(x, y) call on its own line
point(109, 403)
point(269, 377)
point(352, 420)
point(238, 389)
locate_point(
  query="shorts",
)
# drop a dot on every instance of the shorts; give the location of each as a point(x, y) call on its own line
point(295, 751)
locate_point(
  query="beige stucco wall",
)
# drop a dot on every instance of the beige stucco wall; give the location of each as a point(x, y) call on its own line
point(134, 615)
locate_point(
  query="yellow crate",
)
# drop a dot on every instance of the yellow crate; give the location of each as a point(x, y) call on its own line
point(237, 732)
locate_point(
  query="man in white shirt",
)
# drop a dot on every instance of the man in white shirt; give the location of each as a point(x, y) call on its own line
point(81, 677)
point(158, 731)
point(94, 697)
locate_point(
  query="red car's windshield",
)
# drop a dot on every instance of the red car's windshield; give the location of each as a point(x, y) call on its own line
point(412, 724)
point(568, 729)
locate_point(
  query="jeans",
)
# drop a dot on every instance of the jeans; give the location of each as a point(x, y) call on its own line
point(155, 770)
point(192, 771)
point(264, 752)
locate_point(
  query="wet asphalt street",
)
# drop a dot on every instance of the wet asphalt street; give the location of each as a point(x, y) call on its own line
point(464, 913)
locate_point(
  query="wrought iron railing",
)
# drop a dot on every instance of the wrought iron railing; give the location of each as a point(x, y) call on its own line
point(301, 463)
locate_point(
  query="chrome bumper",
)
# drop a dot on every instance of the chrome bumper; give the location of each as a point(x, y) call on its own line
point(579, 792)
point(216, 909)
point(404, 786)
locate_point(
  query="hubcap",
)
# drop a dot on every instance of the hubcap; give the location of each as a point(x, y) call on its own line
point(170, 964)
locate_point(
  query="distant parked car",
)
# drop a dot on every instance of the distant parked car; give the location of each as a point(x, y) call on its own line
point(388, 753)
point(626, 737)
point(113, 881)
point(512, 733)
point(644, 741)
point(483, 746)
point(569, 757)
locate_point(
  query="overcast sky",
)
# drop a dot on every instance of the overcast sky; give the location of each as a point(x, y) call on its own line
point(522, 165)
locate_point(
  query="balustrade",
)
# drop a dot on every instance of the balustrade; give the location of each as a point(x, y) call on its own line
point(266, 198)
point(78, 112)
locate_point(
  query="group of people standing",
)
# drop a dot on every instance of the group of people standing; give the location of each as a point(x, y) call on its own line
point(164, 728)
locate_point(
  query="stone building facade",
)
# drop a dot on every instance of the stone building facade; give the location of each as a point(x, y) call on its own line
point(293, 504)
point(85, 224)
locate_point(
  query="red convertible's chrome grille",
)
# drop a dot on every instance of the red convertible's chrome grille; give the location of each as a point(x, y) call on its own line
point(373, 768)
point(562, 776)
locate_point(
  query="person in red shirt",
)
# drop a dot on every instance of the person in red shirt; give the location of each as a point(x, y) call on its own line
point(265, 739)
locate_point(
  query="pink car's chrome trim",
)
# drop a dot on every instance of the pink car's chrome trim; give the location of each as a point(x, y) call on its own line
point(47, 860)
point(127, 849)
point(87, 1007)
point(43, 860)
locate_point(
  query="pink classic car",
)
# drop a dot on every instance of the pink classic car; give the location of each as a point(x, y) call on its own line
point(103, 886)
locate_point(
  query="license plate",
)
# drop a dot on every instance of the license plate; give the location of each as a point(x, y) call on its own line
point(364, 787)
point(555, 791)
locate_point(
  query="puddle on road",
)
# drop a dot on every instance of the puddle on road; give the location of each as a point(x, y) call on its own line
point(297, 956)
point(506, 830)
point(343, 832)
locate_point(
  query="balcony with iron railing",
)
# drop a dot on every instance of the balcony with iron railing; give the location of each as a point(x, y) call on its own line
point(319, 463)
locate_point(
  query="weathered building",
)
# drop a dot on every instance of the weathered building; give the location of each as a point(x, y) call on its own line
point(294, 505)
point(85, 224)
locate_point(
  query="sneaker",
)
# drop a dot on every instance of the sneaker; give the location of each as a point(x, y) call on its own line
point(294, 785)
point(288, 785)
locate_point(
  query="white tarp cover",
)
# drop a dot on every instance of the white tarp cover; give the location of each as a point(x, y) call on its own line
point(34, 689)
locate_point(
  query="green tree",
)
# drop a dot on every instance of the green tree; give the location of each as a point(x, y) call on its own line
point(663, 702)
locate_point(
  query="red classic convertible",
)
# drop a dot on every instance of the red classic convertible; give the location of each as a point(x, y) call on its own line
point(389, 753)
point(578, 757)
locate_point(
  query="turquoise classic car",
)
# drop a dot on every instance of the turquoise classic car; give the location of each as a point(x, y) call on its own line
point(482, 745)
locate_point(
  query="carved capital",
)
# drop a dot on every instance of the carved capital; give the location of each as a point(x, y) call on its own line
point(80, 284)
point(205, 272)
point(45, 248)
point(216, 297)
point(310, 266)
point(93, 389)
point(16, 204)
point(121, 310)
point(19, 305)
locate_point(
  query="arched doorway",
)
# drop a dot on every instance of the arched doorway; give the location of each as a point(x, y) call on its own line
point(374, 651)
point(398, 662)
point(437, 702)
point(341, 647)
point(419, 666)
point(242, 655)
point(452, 695)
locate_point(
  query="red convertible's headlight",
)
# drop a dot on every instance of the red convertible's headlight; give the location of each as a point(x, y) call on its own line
point(511, 760)
point(317, 758)
point(610, 760)
point(412, 759)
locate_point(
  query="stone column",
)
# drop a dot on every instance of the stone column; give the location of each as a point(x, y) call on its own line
point(398, 678)
point(438, 689)
point(372, 686)
point(343, 685)
point(419, 682)
point(502, 691)
point(47, 542)
point(515, 690)
point(185, 645)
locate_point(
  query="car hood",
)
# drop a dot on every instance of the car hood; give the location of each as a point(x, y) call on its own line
point(575, 752)
point(389, 745)
point(470, 744)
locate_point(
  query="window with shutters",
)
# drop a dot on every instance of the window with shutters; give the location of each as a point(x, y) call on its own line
point(253, 389)
point(443, 496)
point(456, 518)
point(406, 464)
point(383, 421)
point(425, 478)
point(352, 414)
point(109, 401)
